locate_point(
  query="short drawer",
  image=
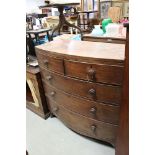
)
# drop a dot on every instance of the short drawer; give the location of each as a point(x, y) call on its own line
point(85, 126)
point(97, 92)
point(51, 63)
point(95, 110)
point(110, 74)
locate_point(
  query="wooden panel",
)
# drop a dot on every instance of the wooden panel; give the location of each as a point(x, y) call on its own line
point(84, 125)
point(122, 147)
point(51, 63)
point(92, 50)
point(35, 97)
point(105, 40)
point(98, 111)
point(97, 92)
point(110, 74)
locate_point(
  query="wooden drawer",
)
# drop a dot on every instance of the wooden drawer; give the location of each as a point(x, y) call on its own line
point(84, 125)
point(51, 63)
point(98, 111)
point(110, 74)
point(97, 92)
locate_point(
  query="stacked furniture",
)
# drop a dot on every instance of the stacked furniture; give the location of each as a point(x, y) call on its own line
point(83, 85)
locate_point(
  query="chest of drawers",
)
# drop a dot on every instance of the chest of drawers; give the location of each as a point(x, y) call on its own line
point(83, 85)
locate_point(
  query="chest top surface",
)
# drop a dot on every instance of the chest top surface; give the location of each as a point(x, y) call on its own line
point(85, 49)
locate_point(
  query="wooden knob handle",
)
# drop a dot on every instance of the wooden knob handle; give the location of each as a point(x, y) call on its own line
point(93, 110)
point(92, 92)
point(53, 93)
point(55, 109)
point(109, 40)
point(49, 77)
point(45, 62)
point(93, 128)
point(91, 74)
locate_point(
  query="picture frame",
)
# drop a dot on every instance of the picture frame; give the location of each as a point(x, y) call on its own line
point(90, 5)
point(117, 4)
point(126, 9)
point(104, 6)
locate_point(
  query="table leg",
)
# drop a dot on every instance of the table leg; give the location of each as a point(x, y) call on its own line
point(62, 21)
point(36, 37)
point(48, 36)
point(88, 21)
point(58, 27)
point(72, 25)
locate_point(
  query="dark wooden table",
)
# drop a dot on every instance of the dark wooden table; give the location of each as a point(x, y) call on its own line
point(87, 19)
point(62, 19)
point(37, 32)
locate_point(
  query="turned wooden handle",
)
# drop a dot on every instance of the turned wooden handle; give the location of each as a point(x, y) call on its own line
point(109, 40)
point(49, 77)
point(45, 62)
point(91, 74)
point(93, 128)
point(93, 110)
point(55, 109)
point(53, 93)
point(92, 92)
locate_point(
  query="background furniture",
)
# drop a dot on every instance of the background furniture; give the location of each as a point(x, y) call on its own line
point(83, 85)
point(115, 13)
point(97, 2)
point(84, 21)
point(39, 31)
point(123, 5)
point(37, 35)
point(119, 40)
point(62, 19)
point(35, 98)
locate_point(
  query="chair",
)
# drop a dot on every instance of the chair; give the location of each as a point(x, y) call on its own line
point(115, 14)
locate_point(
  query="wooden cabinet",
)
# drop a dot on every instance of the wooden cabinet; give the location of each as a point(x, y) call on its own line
point(85, 89)
point(35, 98)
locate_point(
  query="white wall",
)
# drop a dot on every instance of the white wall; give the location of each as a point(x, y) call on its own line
point(66, 1)
point(32, 5)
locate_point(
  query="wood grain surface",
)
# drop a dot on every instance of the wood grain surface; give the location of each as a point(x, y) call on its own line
point(85, 49)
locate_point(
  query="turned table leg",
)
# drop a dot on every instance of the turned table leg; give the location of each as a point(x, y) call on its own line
point(62, 21)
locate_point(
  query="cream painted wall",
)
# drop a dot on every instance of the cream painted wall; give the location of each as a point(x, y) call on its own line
point(32, 5)
point(65, 1)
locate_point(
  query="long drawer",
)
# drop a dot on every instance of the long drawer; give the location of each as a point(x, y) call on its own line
point(51, 63)
point(111, 74)
point(98, 111)
point(97, 92)
point(84, 125)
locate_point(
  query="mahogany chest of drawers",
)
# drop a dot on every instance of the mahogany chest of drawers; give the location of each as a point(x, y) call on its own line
point(83, 85)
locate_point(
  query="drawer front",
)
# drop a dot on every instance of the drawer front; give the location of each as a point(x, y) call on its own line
point(84, 125)
point(98, 111)
point(97, 92)
point(97, 73)
point(51, 63)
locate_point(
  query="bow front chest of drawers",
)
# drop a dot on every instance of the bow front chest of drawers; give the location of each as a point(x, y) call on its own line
point(83, 85)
